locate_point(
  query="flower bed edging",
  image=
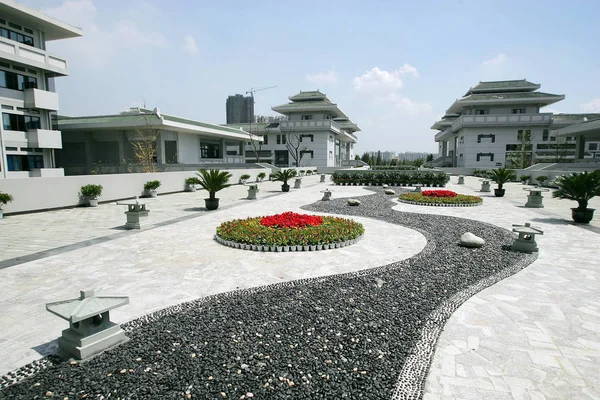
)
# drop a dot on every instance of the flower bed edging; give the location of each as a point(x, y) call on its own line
point(280, 249)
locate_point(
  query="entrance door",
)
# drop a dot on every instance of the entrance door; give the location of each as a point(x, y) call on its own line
point(282, 158)
point(171, 151)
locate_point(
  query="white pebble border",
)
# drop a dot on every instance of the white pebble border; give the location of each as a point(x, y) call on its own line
point(418, 203)
point(283, 249)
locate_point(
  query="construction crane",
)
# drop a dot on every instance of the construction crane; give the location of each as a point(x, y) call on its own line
point(253, 90)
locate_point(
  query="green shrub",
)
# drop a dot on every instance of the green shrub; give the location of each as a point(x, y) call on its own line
point(151, 185)
point(541, 179)
point(5, 198)
point(245, 176)
point(91, 191)
point(261, 175)
point(192, 181)
point(524, 178)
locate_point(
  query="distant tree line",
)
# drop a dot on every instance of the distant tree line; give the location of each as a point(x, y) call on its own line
point(377, 160)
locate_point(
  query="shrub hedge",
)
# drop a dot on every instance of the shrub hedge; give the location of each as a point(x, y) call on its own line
point(429, 178)
point(432, 200)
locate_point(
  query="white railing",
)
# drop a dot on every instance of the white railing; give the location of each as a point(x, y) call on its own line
point(502, 119)
point(311, 125)
point(29, 55)
point(439, 135)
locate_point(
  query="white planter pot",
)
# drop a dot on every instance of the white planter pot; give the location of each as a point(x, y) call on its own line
point(153, 193)
point(313, 247)
point(337, 245)
point(93, 202)
point(279, 249)
point(319, 247)
point(306, 248)
point(254, 247)
point(293, 248)
point(272, 248)
point(1, 214)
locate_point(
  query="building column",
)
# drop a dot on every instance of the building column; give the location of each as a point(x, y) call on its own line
point(580, 147)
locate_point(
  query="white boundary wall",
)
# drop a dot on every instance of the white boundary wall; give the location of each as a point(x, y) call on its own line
point(31, 194)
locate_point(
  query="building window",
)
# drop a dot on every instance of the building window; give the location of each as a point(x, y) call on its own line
point(19, 162)
point(303, 152)
point(278, 139)
point(330, 138)
point(209, 150)
point(16, 36)
point(518, 111)
point(307, 117)
point(310, 136)
point(11, 80)
point(266, 139)
point(14, 122)
point(481, 112)
point(569, 138)
point(552, 138)
point(545, 135)
point(593, 147)
point(330, 154)
point(462, 140)
point(283, 139)
point(512, 147)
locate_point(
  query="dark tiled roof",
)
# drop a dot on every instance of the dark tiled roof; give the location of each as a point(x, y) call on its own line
point(503, 96)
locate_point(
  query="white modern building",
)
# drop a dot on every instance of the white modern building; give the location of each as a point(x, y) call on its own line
point(496, 122)
point(27, 97)
point(316, 133)
point(104, 144)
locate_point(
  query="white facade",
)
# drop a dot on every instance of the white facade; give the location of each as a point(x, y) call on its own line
point(104, 144)
point(316, 128)
point(483, 129)
point(27, 98)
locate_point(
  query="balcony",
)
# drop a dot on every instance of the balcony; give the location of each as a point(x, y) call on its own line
point(38, 58)
point(36, 98)
point(442, 135)
point(310, 125)
point(502, 120)
point(44, 138)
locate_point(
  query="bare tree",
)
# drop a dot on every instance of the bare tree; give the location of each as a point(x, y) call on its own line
point(144, 147)
point(293, 142)
point(256, 144)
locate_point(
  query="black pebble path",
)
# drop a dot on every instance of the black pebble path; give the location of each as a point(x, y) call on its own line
point(363, 335)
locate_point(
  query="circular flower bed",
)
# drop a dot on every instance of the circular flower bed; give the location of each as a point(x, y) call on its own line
point(289, 232)
point(446, 198)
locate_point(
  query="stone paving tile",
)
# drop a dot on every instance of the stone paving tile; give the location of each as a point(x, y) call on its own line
point(531, 331)
point(534, 335)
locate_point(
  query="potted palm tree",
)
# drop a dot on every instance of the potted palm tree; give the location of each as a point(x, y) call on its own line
point(91, 193)
point(212, 181)
point(284, 176)
point(501, 176)
point(581, 188)
point(5, 198)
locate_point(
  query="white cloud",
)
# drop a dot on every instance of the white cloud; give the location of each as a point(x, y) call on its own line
point(330, 77)
point(411, 107)
point(499, 59)
point(378, 80)
point(592, 106)
point(99, 46)
point(190, 45)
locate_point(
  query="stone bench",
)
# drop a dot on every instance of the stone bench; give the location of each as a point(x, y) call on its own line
point(137, 213)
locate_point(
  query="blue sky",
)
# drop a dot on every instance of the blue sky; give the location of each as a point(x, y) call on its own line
point(393, 66)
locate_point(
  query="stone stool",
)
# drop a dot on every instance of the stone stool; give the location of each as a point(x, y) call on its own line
point(525, 242)
point(418, 187)
point(485, 185)
point(297, 183)
point(535, 198)
point(461, 180)
point(137, 214)
point(322, 178)
point(326, 195)
point(90, 329)
point(252, 191)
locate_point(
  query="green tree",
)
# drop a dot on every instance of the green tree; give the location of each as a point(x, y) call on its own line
point(429, 157)
point(522, 157)
point(378, 159)
point(418, 162)
point(365, 157)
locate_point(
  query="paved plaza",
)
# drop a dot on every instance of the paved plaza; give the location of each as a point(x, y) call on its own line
point(534, 335)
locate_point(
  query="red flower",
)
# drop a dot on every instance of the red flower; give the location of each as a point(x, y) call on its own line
point(439, 193)
point(291, 220)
